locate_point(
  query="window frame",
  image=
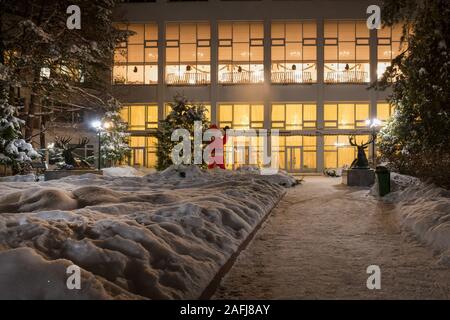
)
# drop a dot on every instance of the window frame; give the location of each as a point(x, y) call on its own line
point(362, 123)
point(148, 125)
point(149, 149)
point(389, 41)
point(232, 123)
point(283, 42)
point(199, 78)
point(125, 46)
point(391, 109)
point(236, 77)
point(285, 124)
point(347, 76)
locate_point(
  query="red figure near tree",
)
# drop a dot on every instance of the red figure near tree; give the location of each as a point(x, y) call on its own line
point(217, 157)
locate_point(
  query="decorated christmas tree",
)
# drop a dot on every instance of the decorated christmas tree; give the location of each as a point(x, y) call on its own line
point(182, 116)
point(114, 139)
point(14, 151)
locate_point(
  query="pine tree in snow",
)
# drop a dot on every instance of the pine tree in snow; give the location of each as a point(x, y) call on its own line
point(182, 116)
point(114, 139)
point(417, 140)
point(63, 70)
point(14, 151)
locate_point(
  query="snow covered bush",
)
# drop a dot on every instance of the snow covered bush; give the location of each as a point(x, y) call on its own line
point(424, 211)
point(417, 140)
point(14, 151)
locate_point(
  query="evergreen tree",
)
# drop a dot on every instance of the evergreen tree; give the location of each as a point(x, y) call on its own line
point(61, 69)
point(182, 116)
point(417, 140)
point(114, 140)
point(14, 151)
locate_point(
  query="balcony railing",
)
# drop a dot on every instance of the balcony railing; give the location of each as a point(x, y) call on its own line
point(242, 77)
point(347, 77)
point(292, 77)
point(188, 78)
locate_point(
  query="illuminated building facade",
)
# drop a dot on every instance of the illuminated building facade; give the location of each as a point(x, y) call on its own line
point(302, 67)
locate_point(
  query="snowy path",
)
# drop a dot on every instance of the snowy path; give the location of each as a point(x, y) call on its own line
point(320, 240)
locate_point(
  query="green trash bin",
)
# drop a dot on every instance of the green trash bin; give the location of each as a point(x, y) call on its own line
point(384, 180)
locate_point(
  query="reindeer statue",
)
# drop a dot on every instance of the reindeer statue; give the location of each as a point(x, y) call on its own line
point(63, 143)
point(361, 161)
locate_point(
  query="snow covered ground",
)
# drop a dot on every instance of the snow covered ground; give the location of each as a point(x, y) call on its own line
point(124, 171)
point(318, 242)
point(424, 211)
point(161, 236)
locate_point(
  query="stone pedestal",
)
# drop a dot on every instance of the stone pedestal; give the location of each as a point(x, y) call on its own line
point(358, 177)
point(58, 174)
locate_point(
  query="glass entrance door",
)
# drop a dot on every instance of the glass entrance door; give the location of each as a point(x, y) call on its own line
point(294, 159)
point(138, 157)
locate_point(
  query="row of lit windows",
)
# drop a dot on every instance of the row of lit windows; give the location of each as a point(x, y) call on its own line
point(241, 52)
point(284, 116)
point(292, 153)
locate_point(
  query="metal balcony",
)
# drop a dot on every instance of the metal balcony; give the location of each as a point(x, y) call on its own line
point(242, 77)
point(188, 78)
point(292, 77)
point(347, 77)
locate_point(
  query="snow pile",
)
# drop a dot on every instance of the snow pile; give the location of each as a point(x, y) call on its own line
point(125, 171)
point(282, 177)
point(424, 210)
point(162, 236)
point(17, 178)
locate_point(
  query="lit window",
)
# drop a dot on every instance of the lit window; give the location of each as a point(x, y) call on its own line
point(384, 112)
point(346, 52)
point(389, 47)
point(140, 118)
point(294, 116)
point(294, 47)
point(136, 60)
point(188, 53)
point(241, 116)
point(143, 151)
point(241, 52)
point(346, 115)
point(338, 152)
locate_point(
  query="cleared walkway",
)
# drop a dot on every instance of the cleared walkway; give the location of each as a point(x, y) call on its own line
point(318, 243)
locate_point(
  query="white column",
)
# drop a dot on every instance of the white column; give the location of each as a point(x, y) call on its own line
point(161, 67)
point(267, 82)
point(267, 73)
point(320, 92)
point(373, 72)
point(214, 69)
point(373, 96)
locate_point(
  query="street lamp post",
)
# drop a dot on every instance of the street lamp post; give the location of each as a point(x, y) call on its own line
point(373, 124)
point(99, 150)
point(98, 126)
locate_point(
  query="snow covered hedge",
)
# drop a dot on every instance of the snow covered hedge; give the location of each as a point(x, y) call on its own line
point(14, 151)
point(161, 236)
point(424, 211)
